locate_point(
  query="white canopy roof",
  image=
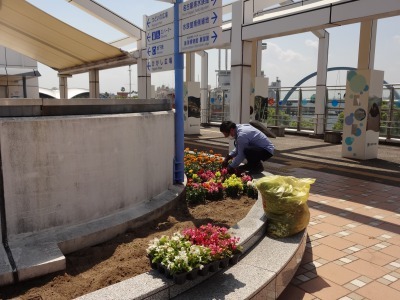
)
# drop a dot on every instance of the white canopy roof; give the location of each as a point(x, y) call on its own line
point(38, 35)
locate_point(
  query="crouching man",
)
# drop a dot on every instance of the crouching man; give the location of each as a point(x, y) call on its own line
point(250, 144)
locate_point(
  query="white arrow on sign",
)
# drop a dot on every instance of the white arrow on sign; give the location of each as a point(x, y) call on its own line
point(192, 7)
point(160, 34)
point(160, 49)
point(209, 19)
point(201, 40)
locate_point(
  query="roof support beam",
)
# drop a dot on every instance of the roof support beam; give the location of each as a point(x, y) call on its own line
point(100, 65)
point(109, 17)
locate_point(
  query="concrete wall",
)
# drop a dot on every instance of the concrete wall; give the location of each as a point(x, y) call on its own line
point(61, 171)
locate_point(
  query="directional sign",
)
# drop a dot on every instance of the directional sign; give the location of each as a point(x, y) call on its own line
point(205, 39)
point(159, 19)
point(160, 49)
point(193, 7)
point(159, 64)
point(204, 21)
point(160, 34)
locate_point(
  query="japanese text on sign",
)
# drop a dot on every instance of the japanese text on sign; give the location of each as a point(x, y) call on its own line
point(193, 7)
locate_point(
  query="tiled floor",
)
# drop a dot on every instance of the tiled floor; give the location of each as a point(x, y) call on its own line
point(353, 251)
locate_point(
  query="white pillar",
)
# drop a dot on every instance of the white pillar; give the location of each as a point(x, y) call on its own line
point(366, 49)
point(144, 79)
point(322, 69)
point(144, 76)
point(190, 67)
point(240, 63)
point(94, 87)
point(63, 82)
point(204, 87)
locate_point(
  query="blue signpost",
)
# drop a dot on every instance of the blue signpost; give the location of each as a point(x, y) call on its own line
point(179, 121)
point(198, 23)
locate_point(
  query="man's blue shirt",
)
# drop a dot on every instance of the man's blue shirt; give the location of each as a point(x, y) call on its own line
point(248, 136)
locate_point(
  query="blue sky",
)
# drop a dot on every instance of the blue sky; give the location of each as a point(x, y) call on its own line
point(290, 58)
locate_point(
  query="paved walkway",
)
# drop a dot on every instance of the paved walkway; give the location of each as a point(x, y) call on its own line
point(353, 251)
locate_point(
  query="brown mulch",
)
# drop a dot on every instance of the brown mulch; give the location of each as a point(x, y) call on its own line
point(124, 256)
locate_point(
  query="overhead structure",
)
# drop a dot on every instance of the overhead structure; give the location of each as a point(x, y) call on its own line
point(36, 34)
point(258, 22)
point(132, 31)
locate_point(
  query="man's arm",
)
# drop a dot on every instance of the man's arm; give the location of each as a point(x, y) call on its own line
point(242, 142)
point(226, 161)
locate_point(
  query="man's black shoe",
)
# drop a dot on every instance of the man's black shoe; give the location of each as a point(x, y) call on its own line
point(244, 168)
point(257, 169)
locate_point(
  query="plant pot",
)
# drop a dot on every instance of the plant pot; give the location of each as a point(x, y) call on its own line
point(213, 266)
point(192, 275)
point(180, 278)
point(154, 266)
point(167, 273)
point(160, 268)
point(234, 259)
point(204, 270)
point(223, 263)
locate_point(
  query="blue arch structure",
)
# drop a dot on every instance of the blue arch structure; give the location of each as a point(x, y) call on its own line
point(297, 85)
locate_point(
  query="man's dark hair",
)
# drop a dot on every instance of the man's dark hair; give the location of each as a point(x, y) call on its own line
point(226, 126)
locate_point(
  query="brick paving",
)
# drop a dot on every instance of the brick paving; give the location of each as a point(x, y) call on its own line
point(353, 247)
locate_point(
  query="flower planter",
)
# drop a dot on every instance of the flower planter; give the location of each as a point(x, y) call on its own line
point(187, 250)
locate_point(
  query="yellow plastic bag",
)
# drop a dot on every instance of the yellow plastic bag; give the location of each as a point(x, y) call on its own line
point(285, 203)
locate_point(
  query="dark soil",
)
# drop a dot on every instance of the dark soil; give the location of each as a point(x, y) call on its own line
point(124, 256)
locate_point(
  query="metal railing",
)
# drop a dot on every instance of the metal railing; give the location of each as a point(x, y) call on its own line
point(300, 114)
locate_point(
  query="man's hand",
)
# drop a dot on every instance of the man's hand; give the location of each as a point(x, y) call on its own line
point(231, 170)
point(226, 161)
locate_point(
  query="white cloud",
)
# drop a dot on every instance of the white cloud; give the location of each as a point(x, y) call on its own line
point(285, 55)
point(312, 44)
point(397, 39)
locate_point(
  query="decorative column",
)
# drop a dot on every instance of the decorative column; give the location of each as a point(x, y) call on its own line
point(363, 101)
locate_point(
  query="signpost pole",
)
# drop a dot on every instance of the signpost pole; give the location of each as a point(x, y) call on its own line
point(179, 121)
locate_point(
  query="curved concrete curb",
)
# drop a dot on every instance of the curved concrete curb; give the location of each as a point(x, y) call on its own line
point(156, 286)
point(39, 254)
point(262, 274)
point(264, 271)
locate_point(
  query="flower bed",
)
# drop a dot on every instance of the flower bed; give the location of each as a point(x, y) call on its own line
point(193, 252)
point(207, 180)
point(197, 251)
